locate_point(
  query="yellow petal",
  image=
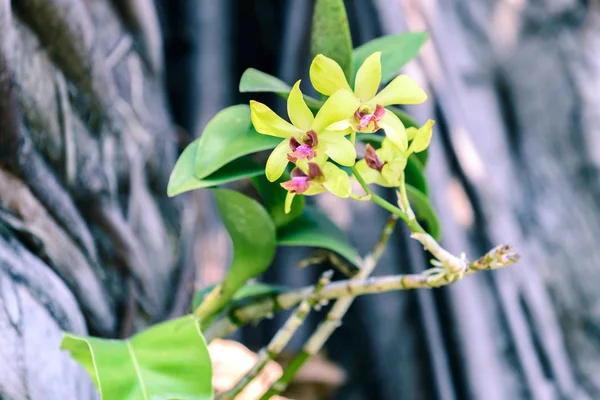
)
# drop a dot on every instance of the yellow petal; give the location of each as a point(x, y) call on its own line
point(392, 172)
point(277, 161)
point(422, 138)
point(344, 126)
point(368, 78)
point(327, 76)
point(411, 132)
point(289, 198)
point(336, 146)
point(369, 174)
point(313, 189)
point(336, 180)
point(298, 111)
point(394, 130)
point(265, 121)
point(402, 90)
point(389, 151)
point(340, 106)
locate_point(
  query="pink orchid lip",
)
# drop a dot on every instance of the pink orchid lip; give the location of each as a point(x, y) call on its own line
point(372, 159)
point(301, 152)
point(297, 184)
point(364, 119)
point(304, 150)
point(300, 181)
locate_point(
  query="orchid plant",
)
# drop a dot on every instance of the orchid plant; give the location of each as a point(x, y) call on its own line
point(352, 133)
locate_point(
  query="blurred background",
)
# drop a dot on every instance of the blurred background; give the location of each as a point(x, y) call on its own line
point(98, 97)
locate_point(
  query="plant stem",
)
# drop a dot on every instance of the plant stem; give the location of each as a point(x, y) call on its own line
point(335, 315)
point(499, 257)
point(280, 340)
point(412, 223)
point(209, 304)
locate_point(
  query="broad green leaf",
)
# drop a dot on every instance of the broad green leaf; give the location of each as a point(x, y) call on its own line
point(273, 196)
point(331, 34)
point(183, 178)
point(314, 229)
point(424, 211)
point(250, 290)
point(414, 174)
point(255, 81)
point(253, 236)
point(228, 136)
point(167, 361)
point(396, 51)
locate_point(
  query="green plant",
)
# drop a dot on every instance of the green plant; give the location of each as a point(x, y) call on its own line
point(310, 155)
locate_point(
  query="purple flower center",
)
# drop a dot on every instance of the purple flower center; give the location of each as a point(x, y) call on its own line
point(372, 159)
point(364, 117)
point(305, 149)
point(300, 181)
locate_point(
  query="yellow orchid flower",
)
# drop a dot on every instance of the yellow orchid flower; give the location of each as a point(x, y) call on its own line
point(369, 106)
point(306, 138)
point(385, 166)
point(309, 179)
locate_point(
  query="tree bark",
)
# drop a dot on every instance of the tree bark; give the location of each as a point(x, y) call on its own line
point(87, 236)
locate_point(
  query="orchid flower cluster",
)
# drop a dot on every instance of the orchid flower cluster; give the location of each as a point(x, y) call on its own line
point(311, 141)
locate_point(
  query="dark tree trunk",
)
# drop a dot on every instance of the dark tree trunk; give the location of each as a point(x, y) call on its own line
point(87, 236)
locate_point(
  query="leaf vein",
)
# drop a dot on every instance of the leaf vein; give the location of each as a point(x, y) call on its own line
point(137, 369)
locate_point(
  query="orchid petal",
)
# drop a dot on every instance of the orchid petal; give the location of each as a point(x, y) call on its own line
point(298, 111)
point(340, 106)
point(411, 132)
point(392, 171)
point(336, 146)
point(265, 121)
point(389, 151)
point(368, 174)
point(277, 161)
point(394, 130)
point(422, 138)
point(313, 189)
point(336, 180)
point(342, 126)
point(368, 78)
point(289, 198)
point(327, 76)
point(401, 90)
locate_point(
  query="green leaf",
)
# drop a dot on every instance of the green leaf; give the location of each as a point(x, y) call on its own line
point(273, 196)
point(396, 51)
point(313, 228)
point(167, 361)
point(255, 81)
point(374, 140)
point(424, 211)
point(183, 178)
point(250, 290)
point(253, 236)
point(331, 34)
point(414, 174)
point(228, 136)
point(406, 119)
